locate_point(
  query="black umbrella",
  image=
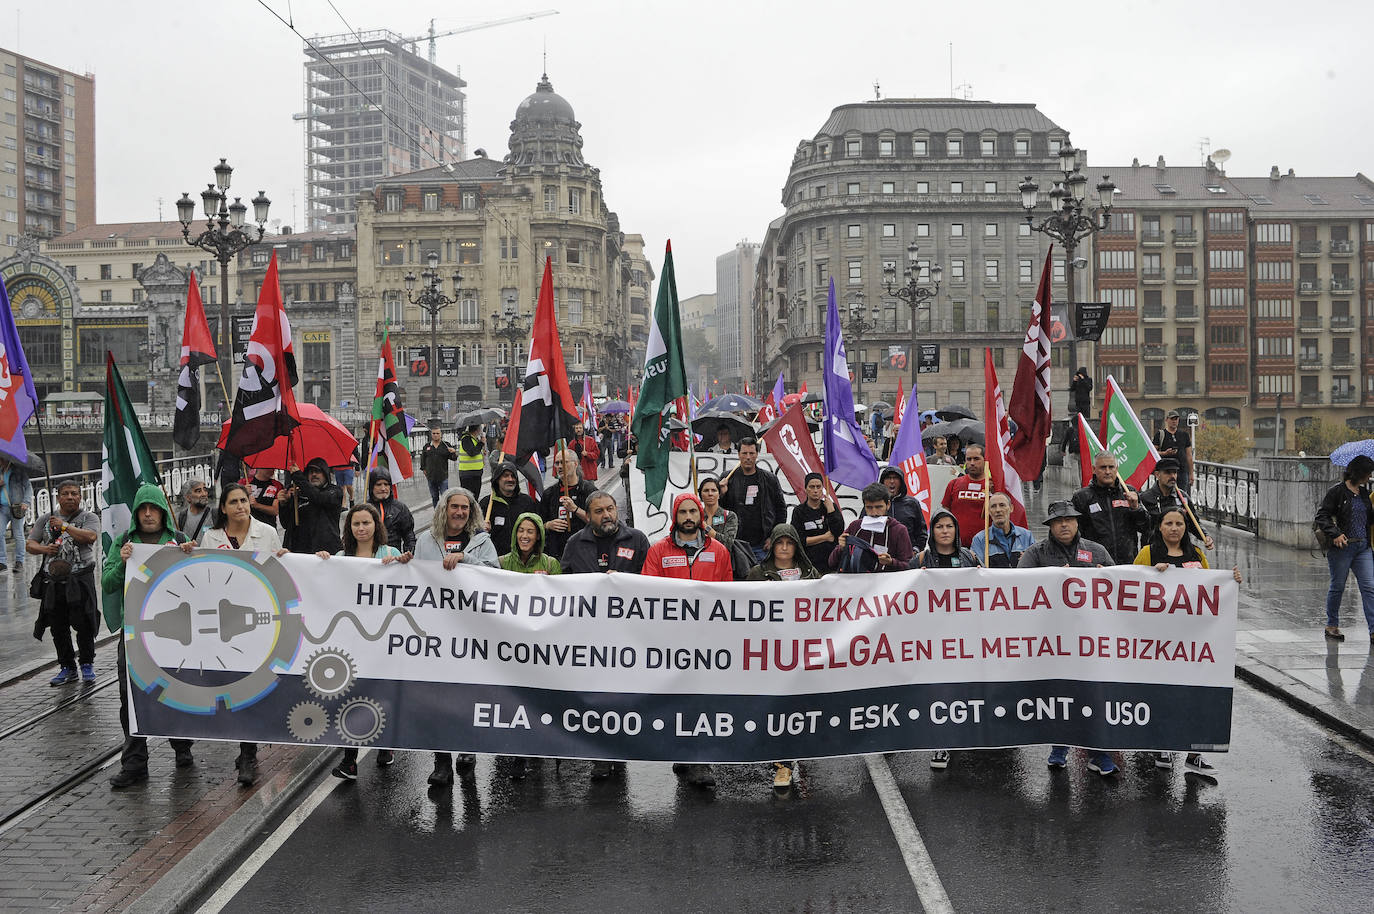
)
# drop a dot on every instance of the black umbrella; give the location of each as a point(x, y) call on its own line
point(732, 403)
point(968, 431)
point(881, 407)
point(706, 423)
point(480, 416)
point(951, 413)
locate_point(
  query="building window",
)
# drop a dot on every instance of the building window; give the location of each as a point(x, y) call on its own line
point(1226, 298)
point(138, 296)
point(956, 187)
point(1023, 230)
point(854, 230)
point(1274, 308)
point(467, 311)
point(393, 253)
point(574, 252)
point(989, 187)
point(1121, 299)
point(994, 312)
point(345, 250)
point(431, 200)
point(885, 147)
point(923, 230)
point(1025, 271)
point(261, 256)
point(106, 271)
point(920, 147)
point(989, 146)
point(1274, 271)
point(959, 318)
point(575, 307)
point(293, 254)
point(1226, 260)
point(1022, 146)
point(469, 199)
point(579, 354)
point(990, 270)
point(856, 273)
point(1274, 233)
point(1275, 346)
point(889, 230)
point(956, 230)
point(990, 230)
point(550, 198)
point(470, 251)
point(822, 273)
point(922, 187)
point(889, 187)
point(954, 146)
point(851, 148)
point(1055, 146)
point(1116, 261)
point(956, 271)
point(393, 203)
point(574, 201)
point(1226, 222)
point(106, 295)
point(852, 188)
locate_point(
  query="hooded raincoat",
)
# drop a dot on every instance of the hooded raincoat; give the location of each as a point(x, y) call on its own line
point(396, 517)
point(538, 561)
point(112, 575)
point(960, 558)
point(672, 558)
point(767, 570)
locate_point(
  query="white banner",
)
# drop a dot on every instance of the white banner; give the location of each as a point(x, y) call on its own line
point(241, 646)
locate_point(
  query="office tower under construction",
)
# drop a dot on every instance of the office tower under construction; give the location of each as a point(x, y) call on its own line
point(373, 108)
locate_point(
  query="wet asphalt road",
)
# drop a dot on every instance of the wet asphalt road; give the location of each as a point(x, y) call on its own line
point(1289, 828)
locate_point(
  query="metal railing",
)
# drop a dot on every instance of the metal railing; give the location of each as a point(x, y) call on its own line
point(1227, 494)
point(174, 473)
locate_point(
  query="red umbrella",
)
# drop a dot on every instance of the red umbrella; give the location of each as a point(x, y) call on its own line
point(318, 435)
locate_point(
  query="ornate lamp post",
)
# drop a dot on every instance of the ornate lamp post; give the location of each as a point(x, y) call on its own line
point(432, 300)
point(916, 290)
point(224, 236)
point(1069, 220)
point(511, 327)
point(858, 325)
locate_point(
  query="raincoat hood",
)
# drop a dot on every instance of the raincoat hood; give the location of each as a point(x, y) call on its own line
point(323, 466)
point(539, 525)
point(505, 468)
point(799, 556)
point(688, 496)
point(112, 576)
point(939, 513)
point(901, 480)
point(149, 494)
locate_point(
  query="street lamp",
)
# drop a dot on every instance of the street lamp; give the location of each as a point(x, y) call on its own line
point(1069, 221)
point(859, 325)
point(432, 300)
point(225, 235)
point(511, 327)
point(916, 290)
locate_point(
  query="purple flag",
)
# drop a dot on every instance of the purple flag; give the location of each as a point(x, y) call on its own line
point(908, 456)
point(848, 459)
point(17, 395)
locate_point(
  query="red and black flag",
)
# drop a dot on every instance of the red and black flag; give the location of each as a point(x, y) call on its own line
point(265, 406)
point(389, 419)
point(197, 349)
point(545, 410)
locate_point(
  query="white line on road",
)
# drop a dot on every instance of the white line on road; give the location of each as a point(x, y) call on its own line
point(249, 868)
point(929, 889)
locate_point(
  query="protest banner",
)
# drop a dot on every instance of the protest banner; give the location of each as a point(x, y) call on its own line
point(240, 646)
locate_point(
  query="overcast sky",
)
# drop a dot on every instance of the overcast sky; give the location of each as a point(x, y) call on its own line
point(692, 110)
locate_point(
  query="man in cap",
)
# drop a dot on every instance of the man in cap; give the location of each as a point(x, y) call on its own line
point(1064, 548)
point(1175, 442)
point(1165, 495)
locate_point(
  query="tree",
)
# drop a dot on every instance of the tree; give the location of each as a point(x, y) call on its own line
point(1324, 436)
point(697, 352)
point(1216, 443)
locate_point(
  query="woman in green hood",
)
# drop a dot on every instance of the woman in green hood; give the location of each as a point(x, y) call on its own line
point(527, 548)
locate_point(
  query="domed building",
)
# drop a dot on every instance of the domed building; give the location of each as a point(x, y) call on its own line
point(494, 224)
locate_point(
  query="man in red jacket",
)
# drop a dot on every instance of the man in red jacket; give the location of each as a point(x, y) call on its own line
point(964, 496)
point(587, 450)
point(687, 552)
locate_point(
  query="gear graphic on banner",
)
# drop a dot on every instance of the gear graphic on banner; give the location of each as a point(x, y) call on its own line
point(360, 721)
point(329, 673)
point(307, 721)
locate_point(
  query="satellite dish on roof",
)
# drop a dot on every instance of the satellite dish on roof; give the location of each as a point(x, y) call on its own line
point(1221, 155)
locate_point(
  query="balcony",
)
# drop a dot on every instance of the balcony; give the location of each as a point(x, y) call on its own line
point(1186, 351)
point(1309, 322)
point(43, 112)
point(1151, 237)
point(1310, 398)
point(1155, 388)
point(1185, 312)
point(1185, 236)
point(1342, 285)
point(1309, 248)
point(1342, 247)
point(1153, 313)
point(1310, 284)
point(1155, 352)
point(41, 87)
point(1310, 361)
point(1185, 274)
point(1342, 322)
point(1151, 275)
point(1343, 396)
point(1342, 361)
point(1189, 388)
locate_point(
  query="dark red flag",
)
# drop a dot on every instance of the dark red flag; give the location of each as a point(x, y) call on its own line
point(545, 410)
point(1030, 391)
point(197, 349)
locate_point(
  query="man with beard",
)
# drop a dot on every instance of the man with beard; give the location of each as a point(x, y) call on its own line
point(310, 510)
point(754, 494)
point(1168, 494)
point(397, 520)
point(564, 504)
point(1109, 511)
point(904, 508)
point(197, 516)
point(506, 503)
point(687, 552)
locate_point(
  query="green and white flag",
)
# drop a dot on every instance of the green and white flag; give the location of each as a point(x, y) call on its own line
point(665, 379)
point(1125, 437)
point(125, 460)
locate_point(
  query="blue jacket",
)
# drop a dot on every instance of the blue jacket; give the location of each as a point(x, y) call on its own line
point(1005, 549)
point(16, 489)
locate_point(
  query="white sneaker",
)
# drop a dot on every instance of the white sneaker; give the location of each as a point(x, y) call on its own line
point(1164, 760)
point(1196, 764)
point(939, 759)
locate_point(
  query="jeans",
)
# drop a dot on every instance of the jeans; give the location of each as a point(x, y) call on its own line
point(436, 489)
point(1358, 558)
point(15, 524)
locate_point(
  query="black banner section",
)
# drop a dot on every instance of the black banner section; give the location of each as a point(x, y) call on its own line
point(448, 361)
point(897, 357)
point(929, 359)
point(1061, 331)
point(712, 728)
point(870, 371)
point(1090, 318)
point(418, 357)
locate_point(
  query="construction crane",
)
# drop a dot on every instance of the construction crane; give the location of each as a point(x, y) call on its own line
point(472, 28)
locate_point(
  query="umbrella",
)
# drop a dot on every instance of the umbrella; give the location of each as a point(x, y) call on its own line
point(881, 407)
point(35, 463)
point(968, 431)
point(860, 408)
point(706, 423)
point(731, 403)
point(480, 416)
point(812, 424)
point(613, 406)
point(1347, 452)
point(951, 413)
point(318, 435)
point(813, 397)
point(927, 415)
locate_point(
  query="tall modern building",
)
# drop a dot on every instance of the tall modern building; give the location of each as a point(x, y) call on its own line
point(373, 108)
point(879, 176)
point(734, 316)
point(47, 150)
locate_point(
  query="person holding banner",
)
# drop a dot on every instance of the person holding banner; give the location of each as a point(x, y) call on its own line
point(1110, 512)
point(564, 503)
point(1171, 547)
point(820, 523)
point(455, 537)
point(1004, 542)
point(905, 508)
point(687, 552)
point(943, 550)
point(364, 535)
point(754, 494)
point(504, 505)
point(605, 544)
point(1064, 548)
point(311, 521)
point(874, 542)
point(526, 554)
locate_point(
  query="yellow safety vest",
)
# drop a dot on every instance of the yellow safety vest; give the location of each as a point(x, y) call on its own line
point(468, 463)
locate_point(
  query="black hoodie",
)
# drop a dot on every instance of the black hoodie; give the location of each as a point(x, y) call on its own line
point(505, 511)
point(396, 517)
point(311, 521)
point(906, 509)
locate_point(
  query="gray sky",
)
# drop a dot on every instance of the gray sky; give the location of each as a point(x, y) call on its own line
point(692, 110)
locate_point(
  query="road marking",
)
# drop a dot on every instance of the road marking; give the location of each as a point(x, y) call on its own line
point(929, 889)
point(235, 882)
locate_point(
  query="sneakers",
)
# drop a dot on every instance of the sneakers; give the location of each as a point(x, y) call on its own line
point(939, 759)
point(19, 568)
point(782, 776)
point(518, 769)
point(385, 757)
point(88, 672)
point(1164, 760)
point(1059, 757)
point(696, 775)
point(1196, 764)
point(128, 777)
point(184, 758)
point(442, 775)
point(247, 766)
point(1102, 763)
point(346, 769)
point(601, 770)
point(65, 675)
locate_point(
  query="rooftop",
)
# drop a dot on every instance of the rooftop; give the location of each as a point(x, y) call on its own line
point(937, 115)
point(480, 168)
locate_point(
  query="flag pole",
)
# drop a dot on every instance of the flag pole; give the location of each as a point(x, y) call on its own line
point(987, 525)
point(43, 447)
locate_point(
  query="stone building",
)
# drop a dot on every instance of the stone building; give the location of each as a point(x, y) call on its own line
point(493, 223)
point(735, 270)
point(877, 177)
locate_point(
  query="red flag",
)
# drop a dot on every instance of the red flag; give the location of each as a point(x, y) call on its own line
point(197, 349)
point(1030, 392)
point(1002, 476)
point(899, 410)
point(1088, 447)
point(265, 406)
point(789, 442)
point(545, 410)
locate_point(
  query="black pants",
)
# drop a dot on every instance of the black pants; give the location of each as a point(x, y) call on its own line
point(135, 754)
point(472, 481)
point(67, 617)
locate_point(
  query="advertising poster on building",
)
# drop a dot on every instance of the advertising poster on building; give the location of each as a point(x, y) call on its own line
point(870, 371)
point(418, 357)
point(928, 359)
point(897, 357)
